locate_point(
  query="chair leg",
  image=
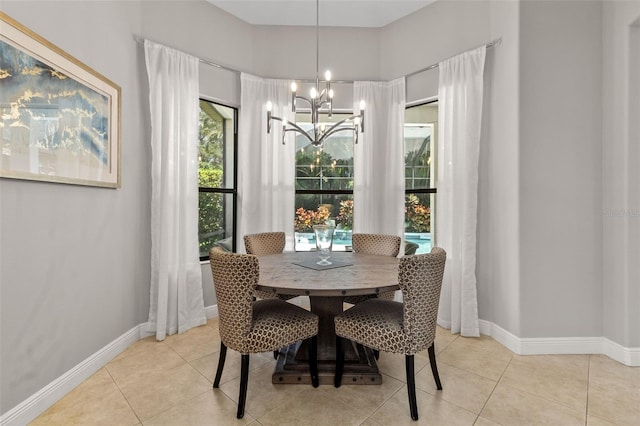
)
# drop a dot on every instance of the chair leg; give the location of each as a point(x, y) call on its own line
point(434, 367)
point(337, 381)
point(411, 386)
point(376, 354)
point(244, 381)
point(221, 359)
point(275, 354)
point(313, 361)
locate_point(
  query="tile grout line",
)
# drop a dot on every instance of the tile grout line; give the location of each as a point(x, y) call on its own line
point(135, 413)
point(494, 388)
point(586, 405)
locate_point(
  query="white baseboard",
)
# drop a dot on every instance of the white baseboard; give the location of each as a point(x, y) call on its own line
point(36, 404)
point(561, 345)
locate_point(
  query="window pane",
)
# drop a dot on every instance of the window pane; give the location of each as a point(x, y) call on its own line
point(315, 209)
point(325, 169)
point(417, 227)
point(420, 131)
point(215, 223)
point(216, 145)
point(216, 176)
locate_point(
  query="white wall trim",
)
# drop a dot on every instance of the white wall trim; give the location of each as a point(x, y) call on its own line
point(561, 345)
point(38, 403)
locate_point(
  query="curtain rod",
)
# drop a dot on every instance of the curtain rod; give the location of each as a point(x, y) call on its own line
point(493, 43)
point(204, 61)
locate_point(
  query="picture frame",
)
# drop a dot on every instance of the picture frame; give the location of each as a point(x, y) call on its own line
point(59, 119)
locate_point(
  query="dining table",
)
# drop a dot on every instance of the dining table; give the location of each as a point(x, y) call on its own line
point(350, 274)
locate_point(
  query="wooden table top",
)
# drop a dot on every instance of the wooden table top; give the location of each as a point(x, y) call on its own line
point(367, 274)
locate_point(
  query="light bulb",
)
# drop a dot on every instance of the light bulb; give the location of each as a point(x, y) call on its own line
point(269, 106)
point(362, 105)
point(294, 87)
point(327, 75)
point(331, 94)
point(313, 93)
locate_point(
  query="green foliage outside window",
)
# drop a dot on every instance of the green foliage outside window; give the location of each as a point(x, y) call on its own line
point(417, 216)
point(211, 175)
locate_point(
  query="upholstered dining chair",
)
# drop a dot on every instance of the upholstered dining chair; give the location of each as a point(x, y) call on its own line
point(378, 244)
point(263, 244)
point(403, 328)
point(248, 326)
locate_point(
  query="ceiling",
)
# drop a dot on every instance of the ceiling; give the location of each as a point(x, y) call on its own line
point(333, 13)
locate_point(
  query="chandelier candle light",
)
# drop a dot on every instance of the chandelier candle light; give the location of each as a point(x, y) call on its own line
point(319, 102)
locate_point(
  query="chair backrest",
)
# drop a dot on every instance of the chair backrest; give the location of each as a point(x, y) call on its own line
point(378, 244)
point(420, 279)
point(264, 243)
point(235, 277)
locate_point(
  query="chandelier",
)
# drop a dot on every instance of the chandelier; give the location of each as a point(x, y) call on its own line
point(318, 102)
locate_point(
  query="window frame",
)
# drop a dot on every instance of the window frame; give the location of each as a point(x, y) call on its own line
point(226, 191)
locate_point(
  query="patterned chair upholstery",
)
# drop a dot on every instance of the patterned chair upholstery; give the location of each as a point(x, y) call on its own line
point(403, 328)
point(249, 326)
point(265, 243)
point(261, 245)
point(378, 244)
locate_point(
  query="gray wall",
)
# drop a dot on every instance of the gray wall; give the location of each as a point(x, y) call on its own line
point(75, 269)
point(560, 169)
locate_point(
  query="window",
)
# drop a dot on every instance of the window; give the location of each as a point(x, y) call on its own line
point(217, 177)
point(324, 185)
point(324, 182)
point(420, 132)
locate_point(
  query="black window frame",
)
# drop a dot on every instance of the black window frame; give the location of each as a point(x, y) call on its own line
point(226, 191)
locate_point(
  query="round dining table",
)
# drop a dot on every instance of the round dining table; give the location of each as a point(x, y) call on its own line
point(350, 274)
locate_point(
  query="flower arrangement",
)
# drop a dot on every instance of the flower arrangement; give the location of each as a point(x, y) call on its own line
point(305, 219)
point(345, 215)
point(417, 216)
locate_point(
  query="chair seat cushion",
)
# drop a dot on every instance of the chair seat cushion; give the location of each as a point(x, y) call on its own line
point(377, 324)
point(276, 324)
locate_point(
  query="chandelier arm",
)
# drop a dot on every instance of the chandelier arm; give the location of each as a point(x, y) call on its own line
point(336, 130)
point(344, 120)
point(296, 128)
point(307, 100)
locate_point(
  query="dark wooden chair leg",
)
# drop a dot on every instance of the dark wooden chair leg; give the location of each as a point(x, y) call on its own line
point(275, 354)
point(376, 354)
point(244, 381)
point(313, 361)
point(434, 367)
point(221, 359)
point(337, 381)
point(411, 386)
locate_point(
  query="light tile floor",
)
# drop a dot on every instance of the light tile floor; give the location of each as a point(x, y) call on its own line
point(170, 383)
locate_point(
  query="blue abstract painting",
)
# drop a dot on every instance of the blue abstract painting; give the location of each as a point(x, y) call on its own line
point(52, 123)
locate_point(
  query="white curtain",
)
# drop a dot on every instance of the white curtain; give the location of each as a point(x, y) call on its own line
point(176, 283)
point(460, 113)
point(266, 167)
point(378, 194)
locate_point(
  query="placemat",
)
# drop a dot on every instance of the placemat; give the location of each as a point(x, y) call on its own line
point(313, 264)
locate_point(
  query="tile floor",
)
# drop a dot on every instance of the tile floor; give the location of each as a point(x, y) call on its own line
point(169, 383)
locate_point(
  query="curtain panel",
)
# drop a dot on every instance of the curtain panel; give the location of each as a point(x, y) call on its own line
point(176, 299)
point(266, 167)
point(460, 94)
point(378, 194)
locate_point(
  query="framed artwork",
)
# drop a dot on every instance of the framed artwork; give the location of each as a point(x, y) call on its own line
point(59, 119)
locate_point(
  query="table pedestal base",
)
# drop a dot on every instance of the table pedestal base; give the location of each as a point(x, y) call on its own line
point(360, 367)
